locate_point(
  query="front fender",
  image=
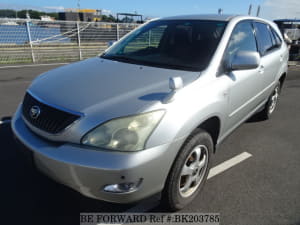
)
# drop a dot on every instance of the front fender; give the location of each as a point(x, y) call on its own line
point(189, 109)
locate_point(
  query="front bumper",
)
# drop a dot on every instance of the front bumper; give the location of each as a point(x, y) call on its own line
point(88, 171)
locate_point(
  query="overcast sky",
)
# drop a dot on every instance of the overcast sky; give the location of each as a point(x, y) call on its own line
point(281, 9)
point(270, 9)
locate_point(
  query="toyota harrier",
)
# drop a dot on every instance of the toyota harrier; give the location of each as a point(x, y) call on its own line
point(147, 115)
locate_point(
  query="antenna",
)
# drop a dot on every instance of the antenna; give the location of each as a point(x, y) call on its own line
point(220, 11)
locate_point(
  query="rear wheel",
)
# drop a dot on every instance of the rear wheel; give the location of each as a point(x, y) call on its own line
point(271, 103)
point(189, 171)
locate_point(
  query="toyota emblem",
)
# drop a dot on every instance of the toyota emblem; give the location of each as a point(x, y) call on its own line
point(34, 112)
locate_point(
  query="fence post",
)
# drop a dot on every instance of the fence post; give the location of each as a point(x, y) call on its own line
point(118, 33)
point(79, 43)
point(30, 40)
point(149, 41)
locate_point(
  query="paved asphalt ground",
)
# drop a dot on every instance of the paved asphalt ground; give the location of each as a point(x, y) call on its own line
point(264, 189)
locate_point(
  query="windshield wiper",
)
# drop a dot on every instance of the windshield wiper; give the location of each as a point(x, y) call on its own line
point(118, 58)
point(174, 66)
point(122, 58)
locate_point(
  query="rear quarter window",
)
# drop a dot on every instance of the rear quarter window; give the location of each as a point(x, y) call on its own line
point(277, 39)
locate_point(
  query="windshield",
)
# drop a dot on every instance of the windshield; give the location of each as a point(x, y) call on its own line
point(176, 44)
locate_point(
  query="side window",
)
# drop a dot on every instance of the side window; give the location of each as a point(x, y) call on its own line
point(272, 37)
point(278, 40)
point(242, 39)
point(263, 37)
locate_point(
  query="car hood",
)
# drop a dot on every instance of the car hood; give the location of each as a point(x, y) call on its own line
point(97, 84)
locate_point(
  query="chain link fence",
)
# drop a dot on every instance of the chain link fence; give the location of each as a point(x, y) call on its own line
point(35, 41)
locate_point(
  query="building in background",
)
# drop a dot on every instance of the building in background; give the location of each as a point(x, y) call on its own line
point(87, 15)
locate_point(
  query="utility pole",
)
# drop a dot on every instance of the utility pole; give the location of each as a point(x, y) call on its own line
point(250, 9)
point(258, 11)
point(78, 5)
point(27, 15)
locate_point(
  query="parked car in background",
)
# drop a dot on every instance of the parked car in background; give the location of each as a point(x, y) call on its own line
point(290, 29)
point(148, 114)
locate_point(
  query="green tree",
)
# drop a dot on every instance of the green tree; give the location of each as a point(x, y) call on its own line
point(109, 18)
point(54, 15)
point(34, 14)
point(8, 13)
point(127, 19)
point(22, 13)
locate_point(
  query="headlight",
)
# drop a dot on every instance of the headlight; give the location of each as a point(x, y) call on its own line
point(126, 133)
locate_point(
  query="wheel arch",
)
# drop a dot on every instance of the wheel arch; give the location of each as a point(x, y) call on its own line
point(212, 125)
point(282, 79)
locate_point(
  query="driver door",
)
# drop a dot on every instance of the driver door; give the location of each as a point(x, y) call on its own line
point(246, 85)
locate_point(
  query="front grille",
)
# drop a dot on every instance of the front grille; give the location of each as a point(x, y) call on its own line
point(50, 119)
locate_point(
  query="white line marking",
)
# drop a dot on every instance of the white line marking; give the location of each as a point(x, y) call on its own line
point(228, 164)
point(32, 65)
point(152, 203)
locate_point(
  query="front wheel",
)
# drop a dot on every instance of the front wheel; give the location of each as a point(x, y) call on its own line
point(189, 171)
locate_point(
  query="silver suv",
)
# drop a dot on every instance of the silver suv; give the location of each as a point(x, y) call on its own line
point(147, 115)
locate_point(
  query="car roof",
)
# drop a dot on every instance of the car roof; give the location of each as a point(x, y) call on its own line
point(214, 17)
point(218, 17)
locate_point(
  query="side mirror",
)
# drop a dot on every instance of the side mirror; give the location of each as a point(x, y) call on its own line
point(175, 83)
point(244, 60)
point(111, 43)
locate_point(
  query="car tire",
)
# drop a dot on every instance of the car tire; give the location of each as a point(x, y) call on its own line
point(271, 104)
point(189, 171)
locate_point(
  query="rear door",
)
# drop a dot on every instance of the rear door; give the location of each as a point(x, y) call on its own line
point(271, 55)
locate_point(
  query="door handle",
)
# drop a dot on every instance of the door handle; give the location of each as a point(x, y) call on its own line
point(261, 69)
point(281, 58)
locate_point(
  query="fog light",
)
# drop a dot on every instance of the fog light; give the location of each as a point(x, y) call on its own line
point(123, 187)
